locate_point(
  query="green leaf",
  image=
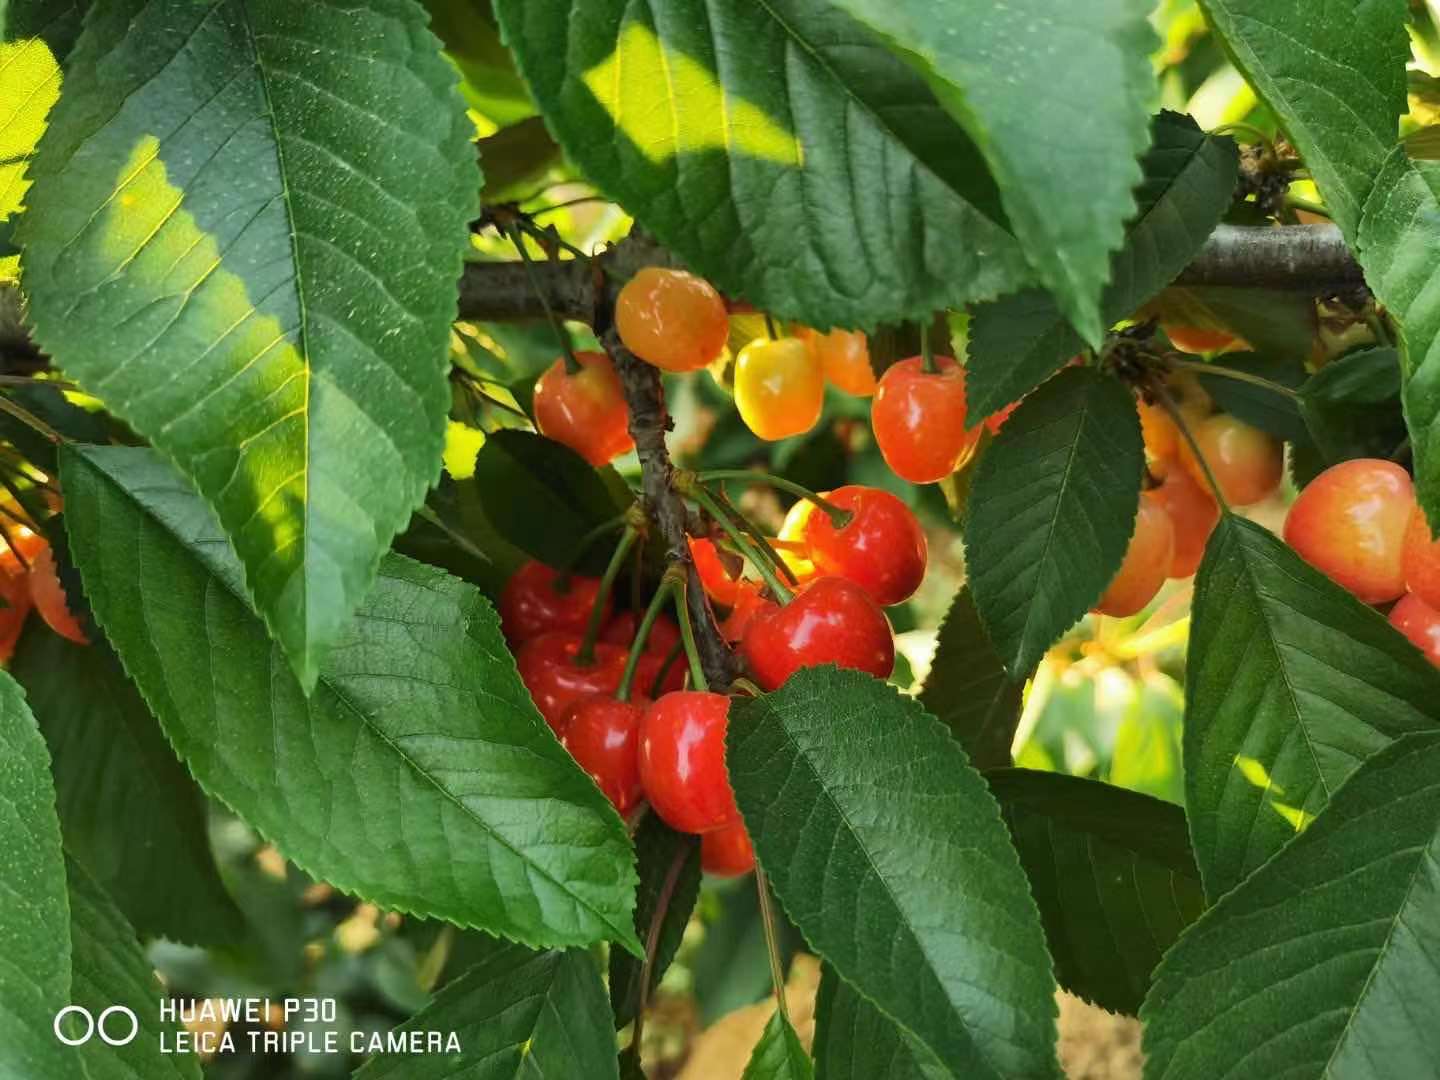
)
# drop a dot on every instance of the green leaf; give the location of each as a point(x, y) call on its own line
point(284, 340)
point(778, 1055)
point(472, 42)
point(731, 966)
point(35, 952)
point(1269, 410)
point(856, 1041)
point(1292, 683)
point(778, 148)
point(1052, 511)
point(516, 1013)
point(1112, 872)
point(130, 812)
point(418, 775)
point(1322, 963)
point(516, 158)
point(1352, 405)
point(1018, 342)
point(968, 689)
point(1061, 138)
point(865, 813)
point(1270, 322)
point(669, 866)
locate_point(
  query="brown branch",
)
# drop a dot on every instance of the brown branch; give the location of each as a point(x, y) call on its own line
point(1303, 258)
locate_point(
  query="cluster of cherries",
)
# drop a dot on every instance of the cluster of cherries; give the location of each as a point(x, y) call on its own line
point(847, 554)
point(30, 581)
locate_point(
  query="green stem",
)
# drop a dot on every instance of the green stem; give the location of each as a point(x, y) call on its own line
point(1236, 374)
point(927, 352)
point(652, 943)
point(1297, 202)
point(687, 634)
point(457, 538)
point(642, 634)
point(770, 327)
point(772, 942)
point(607, 585)
point(664, 673)
point(562, 580)
point(517, 237)
point(742, 542)
point(759, 539)
point(29, 419)
point(1168, 404)
point(839, 516)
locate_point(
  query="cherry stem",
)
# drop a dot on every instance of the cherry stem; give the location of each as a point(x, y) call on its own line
point(567, 204)
point(517, 237)
point(772, 942)
point(1168, 404)
point(652, 940)
point(642, 634)
point(687, 633)
point(1237, 374)
point(770, 327)
point(607, 584)
point(927, 352)
point(839, 516)
point(741, 541)
point(763, 543)
point(660, 676)
point(459, 539)
point(1295, 202)
point(29, 419)
point(562, 580)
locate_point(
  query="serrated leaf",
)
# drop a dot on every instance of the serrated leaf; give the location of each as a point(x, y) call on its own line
point(856, 1041)
point(418, 775)
point(1052, 510)
point(1271, 411)
point(35, 954)
point(1113, 875)
point(516, 1013)
point(779, 148)
point(1269, 321)
point(1018, 342)
point(778, 1055)
point(968, 689)
point(283, 339)
point(1318, 965)
point(865, 813)
point(1060, 138)
point(1292, 683)
point(1351, 406)
point(472, 42)
point(130, 812)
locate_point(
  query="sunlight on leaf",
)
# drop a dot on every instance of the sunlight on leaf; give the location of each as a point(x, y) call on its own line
point(29, 86)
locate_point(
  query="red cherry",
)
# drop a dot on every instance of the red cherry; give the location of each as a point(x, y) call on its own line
point(1194, 514)
point(1146, 564)
point(621, 631)
point(682, 761)
point(919, 420)
point(719, 583)
point(995, 421)
point(549, 670)
point(585, 411)
point(881, 548)
point(748, 605)
point(1350, 524)
point(603, 736)
point(727, 852)
point(648, 669)
point(533, 604)
point(1419, 622)
point(830, 621)
point(1422, 559)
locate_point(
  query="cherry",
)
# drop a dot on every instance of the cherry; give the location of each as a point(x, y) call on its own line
point(671, 319)
point(1247, 463)
point(881, 548)
point(1194, 515)
point(716, 578)
point(533, 603)
point(603, 736)
point(1421, 556)
point(550, 671)
point(995, 421)
point(727, 852)
point(1146, 564)
point(1350, 524)
point(748, 605)
point(919, 420)
point(830, 621)
point(790, 543)
point(15, 591)
point(1419, 622)
point(1162, 437)
point(682, 761)
point(779, 387)
point(1197, 339)
point(621, 631)
point(844, 356)
point(49, 598)
point(585, 411)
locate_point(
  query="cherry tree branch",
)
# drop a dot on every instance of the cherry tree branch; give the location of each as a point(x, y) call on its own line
point(1304, 258)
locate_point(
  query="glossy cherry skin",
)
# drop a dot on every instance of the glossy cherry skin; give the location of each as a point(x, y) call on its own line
point(727, 852)
point(721, 583)
point(919, 420)
point(621, 631)
point(585, 411)
point(844, 356)
point(779, 387)
point(1350, 524)
point(881, 548)
point(1419, 622)
point(1196, 339)
point(1422, 559)
point(48, 596)
point(790, 543)
point(1193, 513)
point(682, 761)
point(1146, 564)
point(603, 736)
point(672, 319)
point(1247, 463)
point(830, 621)
point(550, 671)
point(1161, 436)
point(749, 604)
point(532, 604)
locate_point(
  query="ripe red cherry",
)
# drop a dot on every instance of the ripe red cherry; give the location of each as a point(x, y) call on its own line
point(1194, 514)
point(881, 548)
point(1247, 463)
point(1419, 622)
point(748, 605)
point(1422, 559)
point(621, 631)
point(715, 577)
point(585, 411)
point(1146, 565)
point(830, 621)
point(603, 736)
point(919, 420)
point(533, 604)
point(1350, 524)
point(727, 852)
point(682, 761)
point(550, 671)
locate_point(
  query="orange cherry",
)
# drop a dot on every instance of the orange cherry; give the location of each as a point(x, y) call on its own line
point(720, 583)
point(1419, 622)
point(779, 387)
point(1350, 524)
point(1247, 463)
point(919, 420)
point(1421, 556)
point(1197, 339)
point(748, 605)
point(15, 590)
point(790, 543)
point(727, 851)
point(1194, 514)
point(1146, 565)
point(672, 319)
point(1162, 437)
point(585, 411)
point(844, 356)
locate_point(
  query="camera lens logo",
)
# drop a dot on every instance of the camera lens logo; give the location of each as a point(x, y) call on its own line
point(101, 1025)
